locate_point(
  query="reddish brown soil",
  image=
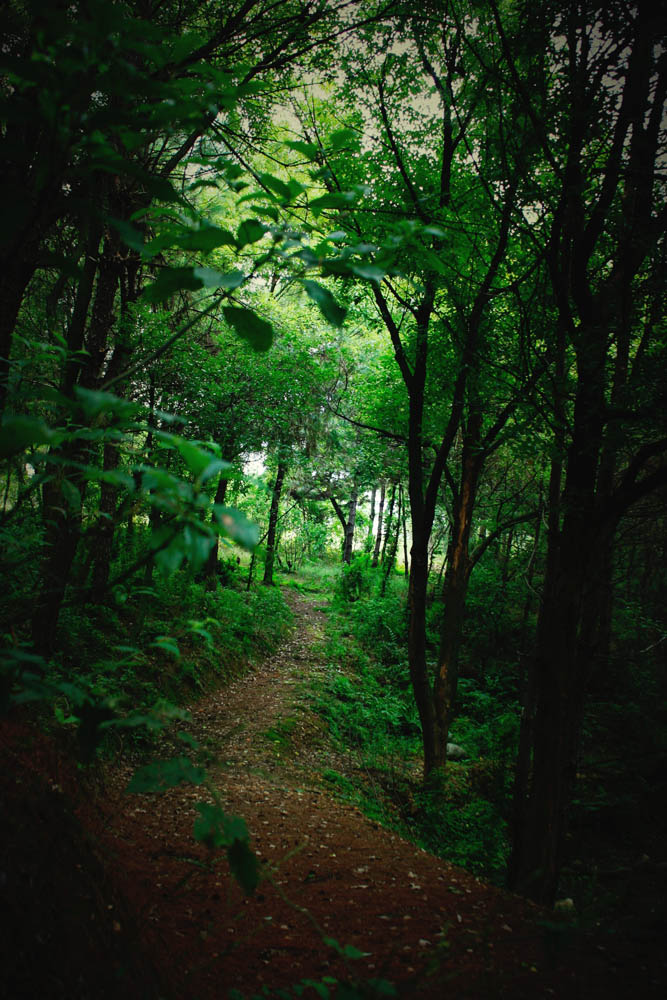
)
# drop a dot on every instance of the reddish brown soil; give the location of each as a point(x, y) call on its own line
point(147, 912)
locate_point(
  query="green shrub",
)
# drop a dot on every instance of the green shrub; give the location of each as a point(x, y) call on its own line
point(356, 578)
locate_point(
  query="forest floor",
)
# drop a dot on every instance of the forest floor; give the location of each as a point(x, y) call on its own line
point(147, 912)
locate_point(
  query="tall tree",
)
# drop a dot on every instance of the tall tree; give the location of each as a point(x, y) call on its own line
point(602, 135)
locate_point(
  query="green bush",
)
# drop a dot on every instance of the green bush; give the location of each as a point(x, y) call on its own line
point(461, 826)
point(356, 578)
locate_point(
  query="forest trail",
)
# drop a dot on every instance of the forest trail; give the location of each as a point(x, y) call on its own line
point(430, 928)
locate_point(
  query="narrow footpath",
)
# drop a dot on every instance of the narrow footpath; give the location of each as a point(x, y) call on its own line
point(334, 879)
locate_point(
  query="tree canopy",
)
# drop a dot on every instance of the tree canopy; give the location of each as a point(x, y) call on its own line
point(351, 278)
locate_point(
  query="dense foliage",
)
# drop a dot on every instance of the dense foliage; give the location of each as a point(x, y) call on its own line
point(286, 282)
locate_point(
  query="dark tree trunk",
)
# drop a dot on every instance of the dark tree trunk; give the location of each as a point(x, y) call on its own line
point(401, 500)
point(104, 532)
point(391, 559)
point(455, 588)
point(273, 523)
point(371, 521)
point(211, 568)
point(387, 527)
point(15, 276)
point(63, 501)
point(378, 537)
point(566, 627)
point(417, 647)
point(349, 526)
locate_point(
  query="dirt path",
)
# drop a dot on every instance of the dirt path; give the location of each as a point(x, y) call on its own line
point(428, 927)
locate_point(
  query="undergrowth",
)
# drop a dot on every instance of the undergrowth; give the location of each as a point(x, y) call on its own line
point(164, 643)
point(367, 702)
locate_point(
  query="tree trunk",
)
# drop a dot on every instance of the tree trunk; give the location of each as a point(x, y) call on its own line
point(566, 627)
point(387, 527)
point(401, 501)
point(211, 568)
point(349, 526)
point(391, 560)
point(15, 276)
point(103, 534)
point(62, 520)
point(455, 588)
point(273, 522)
point(417, 647)
point(371, 521)
point(378, 537)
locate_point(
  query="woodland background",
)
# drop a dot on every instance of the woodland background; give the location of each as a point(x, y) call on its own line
point(371, 293)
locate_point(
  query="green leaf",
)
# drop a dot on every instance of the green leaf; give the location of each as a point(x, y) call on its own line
point(236, 526)
point(277, 186)
point(346, 950)
point(337, 199)
point(170, 558)
point(18, 433)
point(215, 466)
point(71, 495)
point(167, 645)
point(215, 279)
point(433, 260)
point(169, 281)
point(206, 239)
point(197, 543)
point(247, 324)
point(131, 236)
point(344, 138)
point(163, 774)
point(327, 304)
point(216, 828)
point(174, 279)
point(243, 865)
point(369, 271)
point(250, 231)
point(95, 402)
point(435, 231)
point(198, 460)
point(309, 149)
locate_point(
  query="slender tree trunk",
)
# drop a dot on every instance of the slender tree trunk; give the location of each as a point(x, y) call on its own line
point(63, 493)
point(566, 627)
point(340, 514)
point(371, 521)
point(103, 534)
point(387, 527)
point(62, 518)
point(378, 537)
point(401, 500)
point(153, 512)
point(211, 568)
point(15, 276)
point(455, 588)
point(349, 526)
point(273, 522)
point(391, 559)
point(417, 646)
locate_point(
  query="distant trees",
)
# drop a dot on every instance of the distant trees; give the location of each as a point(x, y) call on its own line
point(479, 191)
point(514, 208)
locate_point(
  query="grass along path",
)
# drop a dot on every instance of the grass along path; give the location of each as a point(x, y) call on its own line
point(403, 915)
